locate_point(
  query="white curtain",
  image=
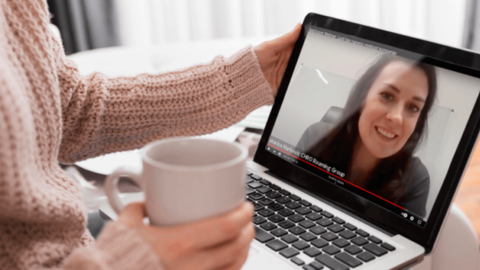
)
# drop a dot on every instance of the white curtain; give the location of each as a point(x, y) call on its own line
point(149, 22)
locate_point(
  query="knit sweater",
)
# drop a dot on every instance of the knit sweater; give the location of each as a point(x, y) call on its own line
point(49, 113)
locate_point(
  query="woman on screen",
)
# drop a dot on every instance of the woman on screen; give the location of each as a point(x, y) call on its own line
point(382, 124)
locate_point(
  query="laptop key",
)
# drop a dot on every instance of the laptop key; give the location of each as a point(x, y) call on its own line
point(286, 224)
point(353, 249)
point(307, 236)
point(324, 222)
point(312, 252)
point(374, 239)
point(283, 200)
point(276, 218)
point(293, 205)
point(265, 182)
point(273, 195)
point(362, 233)
point(265, 201)
point(316, 208)
point(359, 241)
point(314, 216)
point(256, 177)
point(338, 220)
point(278, 232)
point(266, 212)
point(387, 246)
point(268, 226)
point(305, 202)
point(276, 245)
point(249, 191)
point(255, 185)
point(297, 261)
point(300, 245)
point(347, 234)
point(348, 260)
point(296, 230)
point(258, 207)
point(264, 190)
point(256, 196)
point(319, 243)
point(294, 197)
point(331, 250)
point(262, 236)
point(296, 218)
point(307, 224)
point(276, 206)
point(316, 265)
point(341, 243)
point(258, 220)
point(365, 256)
point(331, 263)
point(308, 267)
point(284, 192)
point(285, 212)
point(289, 252)
point(274, 187)
point(289, 238)
point(329, 236)
point(249, 173)
point(375, 250)
point(303, 210)
point(327, 214)
point(350, 226)
point(336, 228)
point(317, 230)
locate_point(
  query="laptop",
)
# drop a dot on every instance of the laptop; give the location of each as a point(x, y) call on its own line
point(363, 151)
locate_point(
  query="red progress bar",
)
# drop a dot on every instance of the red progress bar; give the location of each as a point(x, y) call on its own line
point(336, 176)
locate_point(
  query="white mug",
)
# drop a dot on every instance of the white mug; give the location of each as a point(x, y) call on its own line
point(185, 180)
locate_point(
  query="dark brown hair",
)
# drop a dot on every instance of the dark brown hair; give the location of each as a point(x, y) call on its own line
point(337, 147)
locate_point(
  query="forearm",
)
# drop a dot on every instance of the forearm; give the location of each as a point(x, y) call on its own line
point(105, 115)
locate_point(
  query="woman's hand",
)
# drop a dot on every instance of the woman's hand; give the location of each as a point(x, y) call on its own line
point(216, 243)
point(273, 56)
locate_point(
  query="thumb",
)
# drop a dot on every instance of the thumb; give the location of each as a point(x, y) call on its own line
point(286, 40)
point(133, 214)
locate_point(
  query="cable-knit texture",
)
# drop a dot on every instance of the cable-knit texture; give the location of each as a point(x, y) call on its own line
point(50, 113)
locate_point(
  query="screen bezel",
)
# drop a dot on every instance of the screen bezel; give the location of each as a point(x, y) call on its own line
point(458, 60)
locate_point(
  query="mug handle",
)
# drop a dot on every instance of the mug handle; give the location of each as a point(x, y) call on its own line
point(111, 185)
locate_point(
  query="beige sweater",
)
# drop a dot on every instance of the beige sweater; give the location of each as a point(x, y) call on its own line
point(51, 114)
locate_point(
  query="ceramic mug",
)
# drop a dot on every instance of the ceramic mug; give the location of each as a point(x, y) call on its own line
point(186, 179)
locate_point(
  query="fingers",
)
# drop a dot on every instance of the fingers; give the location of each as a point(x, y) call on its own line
point(228, 255)
point(239, 262)
point(133, 214)
point(220, 229)
point(286, 40)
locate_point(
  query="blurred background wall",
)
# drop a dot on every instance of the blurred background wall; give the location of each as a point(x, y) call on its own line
point(88, 24)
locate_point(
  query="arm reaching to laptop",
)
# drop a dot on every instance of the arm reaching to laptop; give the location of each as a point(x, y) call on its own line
point(51, 114)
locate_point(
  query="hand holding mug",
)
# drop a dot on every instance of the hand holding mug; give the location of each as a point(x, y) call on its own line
point(220, 242)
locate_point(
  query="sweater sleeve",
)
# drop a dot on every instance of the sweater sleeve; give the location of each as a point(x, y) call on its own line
point(117, 248)
point(103, 115)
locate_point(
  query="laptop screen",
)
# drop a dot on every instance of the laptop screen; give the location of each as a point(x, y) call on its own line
point(374, 120)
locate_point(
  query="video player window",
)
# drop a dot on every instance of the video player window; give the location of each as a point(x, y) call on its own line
point(372, 121)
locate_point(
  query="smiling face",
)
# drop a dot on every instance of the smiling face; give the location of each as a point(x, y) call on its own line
point(392, 108)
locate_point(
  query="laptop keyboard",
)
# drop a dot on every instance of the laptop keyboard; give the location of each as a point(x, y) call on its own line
point(289, 225)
